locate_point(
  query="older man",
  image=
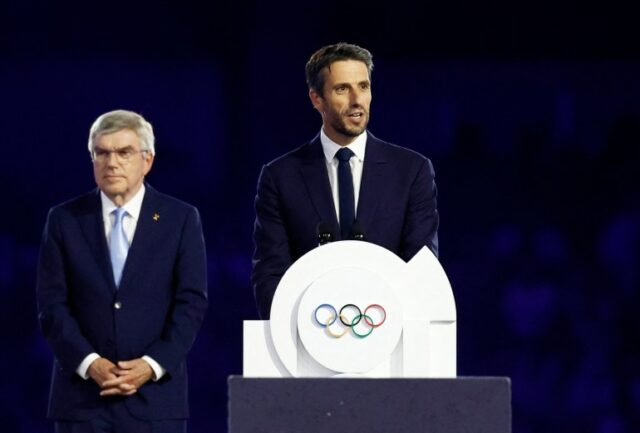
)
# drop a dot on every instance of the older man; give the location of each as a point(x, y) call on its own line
point(122, 291)
point(344, 178)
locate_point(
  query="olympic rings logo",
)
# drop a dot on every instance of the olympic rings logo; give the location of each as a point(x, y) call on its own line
point(349, 323)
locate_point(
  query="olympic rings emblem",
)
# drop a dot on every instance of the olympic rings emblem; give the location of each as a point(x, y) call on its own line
point(349, 324)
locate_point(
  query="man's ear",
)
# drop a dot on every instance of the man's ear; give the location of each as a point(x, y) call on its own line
point(316, 100)
point(148, 163)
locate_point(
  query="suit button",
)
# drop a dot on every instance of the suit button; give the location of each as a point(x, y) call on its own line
point(117, 305)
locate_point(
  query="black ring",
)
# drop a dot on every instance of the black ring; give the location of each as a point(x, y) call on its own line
point(350, 325)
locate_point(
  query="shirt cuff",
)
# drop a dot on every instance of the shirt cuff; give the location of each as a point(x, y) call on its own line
point(85, 364)
point(158, 371)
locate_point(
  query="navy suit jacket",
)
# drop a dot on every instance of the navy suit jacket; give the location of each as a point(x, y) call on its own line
point(396, 208)
point(162, 301)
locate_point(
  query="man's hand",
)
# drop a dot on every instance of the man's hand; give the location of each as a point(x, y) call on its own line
point(130, 375)
point(102, 370)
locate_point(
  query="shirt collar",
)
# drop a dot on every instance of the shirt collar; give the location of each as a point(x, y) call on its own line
point(330, 147)
point(132, 207)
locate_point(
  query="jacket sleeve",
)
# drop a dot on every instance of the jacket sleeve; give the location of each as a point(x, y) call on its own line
point(272, 256)
point(421, 222)
point(190, 298)
point(59, 327)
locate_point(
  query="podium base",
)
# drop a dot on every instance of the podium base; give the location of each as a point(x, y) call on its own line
point(345, 405)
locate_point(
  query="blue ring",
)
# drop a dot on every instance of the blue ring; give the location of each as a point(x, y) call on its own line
point(335, 315)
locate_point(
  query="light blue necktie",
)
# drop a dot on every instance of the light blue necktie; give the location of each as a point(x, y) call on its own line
point(118, 245)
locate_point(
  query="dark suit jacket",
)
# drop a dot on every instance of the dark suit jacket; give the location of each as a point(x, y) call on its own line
point(162, 299)
point(396, 208)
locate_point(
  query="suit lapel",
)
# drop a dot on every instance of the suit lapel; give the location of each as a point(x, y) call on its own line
point(144, 237)
point(314, 172)
point(92, 226)
point(370, 186)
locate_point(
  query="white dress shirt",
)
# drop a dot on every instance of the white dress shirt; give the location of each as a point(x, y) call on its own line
point(129, 222)
point(330, 148)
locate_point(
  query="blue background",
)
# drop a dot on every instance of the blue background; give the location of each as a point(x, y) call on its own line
point(530, 112)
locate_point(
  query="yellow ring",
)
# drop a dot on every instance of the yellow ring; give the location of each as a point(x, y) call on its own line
point(328, 328)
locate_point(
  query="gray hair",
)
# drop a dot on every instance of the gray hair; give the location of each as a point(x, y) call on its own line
point(117, 120)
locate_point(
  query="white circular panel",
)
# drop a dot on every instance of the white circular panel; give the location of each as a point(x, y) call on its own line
point(337, 347)
point(312, 266)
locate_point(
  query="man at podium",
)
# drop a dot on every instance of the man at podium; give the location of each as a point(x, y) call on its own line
point(343, 184)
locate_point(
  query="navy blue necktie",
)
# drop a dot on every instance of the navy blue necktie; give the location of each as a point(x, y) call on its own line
point(345, 192)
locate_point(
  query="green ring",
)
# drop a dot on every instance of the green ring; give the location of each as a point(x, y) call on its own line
point(356, 320)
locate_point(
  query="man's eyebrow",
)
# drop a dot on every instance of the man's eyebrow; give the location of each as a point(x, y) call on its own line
point(117, 149)
point(347, 83)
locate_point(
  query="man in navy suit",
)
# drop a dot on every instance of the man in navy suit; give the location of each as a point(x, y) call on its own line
point(122, 292)
point(344, 178)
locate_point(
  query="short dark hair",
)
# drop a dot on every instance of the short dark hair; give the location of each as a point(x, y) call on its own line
point(325, 56)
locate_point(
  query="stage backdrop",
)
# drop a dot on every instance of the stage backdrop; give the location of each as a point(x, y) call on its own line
point(530, 113)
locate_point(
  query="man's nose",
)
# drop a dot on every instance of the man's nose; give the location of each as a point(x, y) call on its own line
point(358, 96)
point(112, 159)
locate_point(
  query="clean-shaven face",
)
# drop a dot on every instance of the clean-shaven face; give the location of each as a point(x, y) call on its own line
point(120, 165)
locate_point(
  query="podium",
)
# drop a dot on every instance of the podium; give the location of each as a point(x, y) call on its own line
point(355, 308)
point(458, 405)
point(361, 341)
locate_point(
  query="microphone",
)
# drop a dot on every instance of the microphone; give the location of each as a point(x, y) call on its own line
point(357, 231)
point(325, 232)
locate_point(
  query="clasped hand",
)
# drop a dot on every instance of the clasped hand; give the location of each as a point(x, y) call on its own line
point(125, 378)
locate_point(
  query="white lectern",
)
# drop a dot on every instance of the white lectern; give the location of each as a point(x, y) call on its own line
point(310, 333)
point(384, 329)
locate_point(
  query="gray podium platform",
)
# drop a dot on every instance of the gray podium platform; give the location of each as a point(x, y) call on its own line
point(341, 405)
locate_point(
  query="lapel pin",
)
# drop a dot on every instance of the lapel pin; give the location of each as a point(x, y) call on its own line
point(156, 216)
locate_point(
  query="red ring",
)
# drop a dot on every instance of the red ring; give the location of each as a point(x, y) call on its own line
point(370, 322)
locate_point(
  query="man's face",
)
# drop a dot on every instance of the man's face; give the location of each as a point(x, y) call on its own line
point(345, 99)
point(119, 166)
